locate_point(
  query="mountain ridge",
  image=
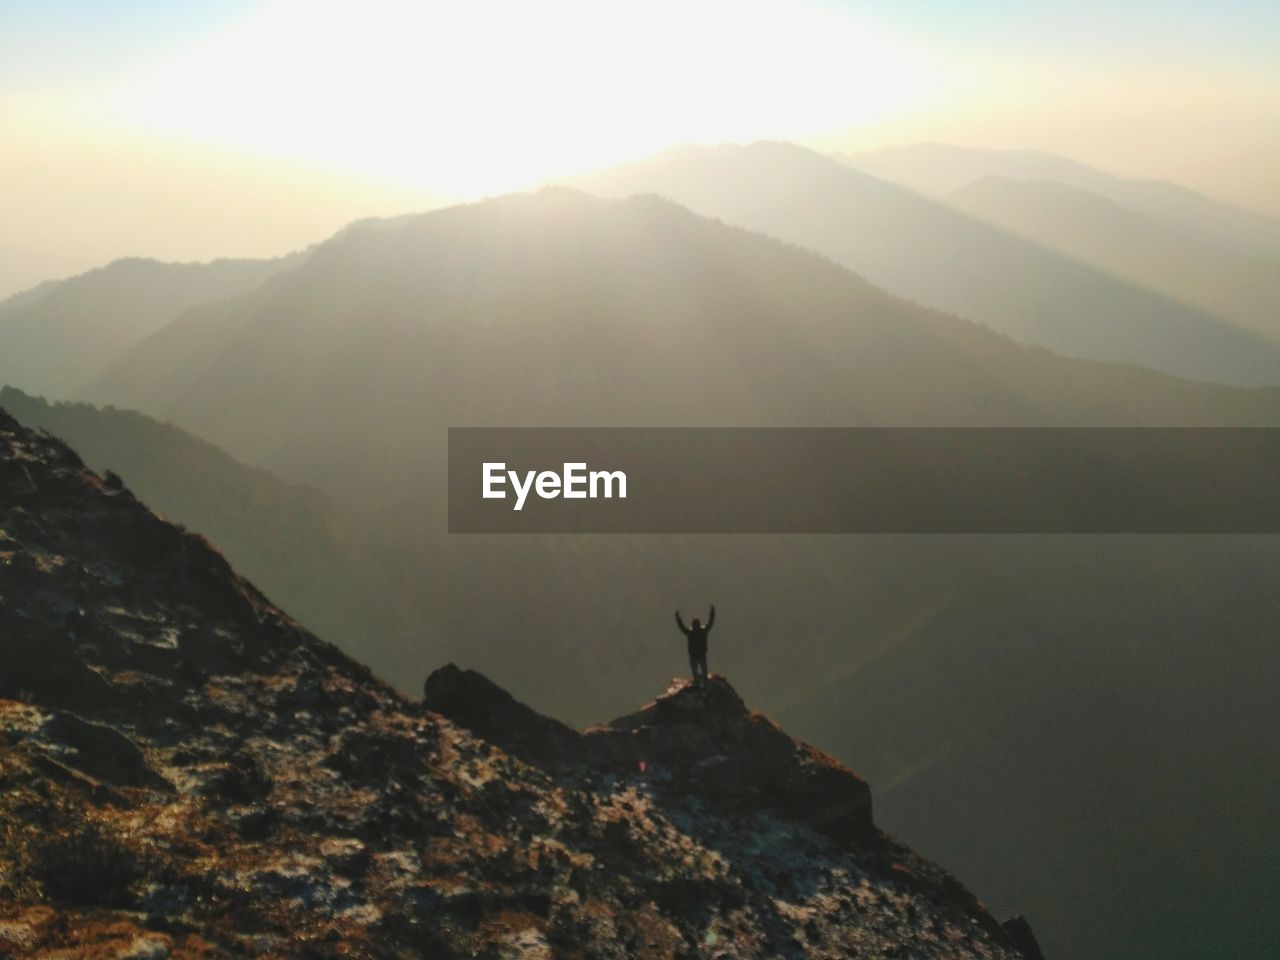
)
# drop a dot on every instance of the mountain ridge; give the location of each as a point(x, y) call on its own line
point(940, 168)
point(919, 248)
point(1104, 232)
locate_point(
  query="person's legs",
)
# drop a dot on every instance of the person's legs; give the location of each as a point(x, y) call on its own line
point(693, 666)
point(701, 673)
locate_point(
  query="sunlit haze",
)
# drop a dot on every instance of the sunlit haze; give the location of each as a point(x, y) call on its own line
point(189, 131)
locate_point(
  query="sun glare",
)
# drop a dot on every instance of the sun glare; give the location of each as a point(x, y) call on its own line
point(467, 99)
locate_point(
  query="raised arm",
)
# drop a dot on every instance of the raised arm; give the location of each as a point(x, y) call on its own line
point(711, 620)
point(680, 624)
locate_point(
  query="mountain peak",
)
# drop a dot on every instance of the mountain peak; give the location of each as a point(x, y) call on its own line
point(684, 702)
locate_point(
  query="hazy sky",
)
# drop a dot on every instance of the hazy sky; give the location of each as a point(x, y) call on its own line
point(192, 130)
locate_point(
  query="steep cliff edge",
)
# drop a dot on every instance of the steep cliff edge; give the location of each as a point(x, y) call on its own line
point(186, 772)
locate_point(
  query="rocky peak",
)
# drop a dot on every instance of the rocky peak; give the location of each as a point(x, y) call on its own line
point(711, 745)
point(691, 740)
point(714, 705)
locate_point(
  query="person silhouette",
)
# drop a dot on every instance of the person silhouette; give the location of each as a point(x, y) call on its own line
point(696, 634)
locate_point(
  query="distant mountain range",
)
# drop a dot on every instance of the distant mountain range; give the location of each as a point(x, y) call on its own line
point(922, 249)
point(55, 337)
point(939, 169)
point(461, 313)
point(1097, 230)
point(1123, 271)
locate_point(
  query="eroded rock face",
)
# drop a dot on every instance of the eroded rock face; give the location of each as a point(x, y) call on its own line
point(185, 771)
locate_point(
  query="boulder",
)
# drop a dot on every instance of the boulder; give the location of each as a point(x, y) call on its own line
point(473, 701)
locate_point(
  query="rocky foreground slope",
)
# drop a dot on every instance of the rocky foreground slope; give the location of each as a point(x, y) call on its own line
point(186, 772)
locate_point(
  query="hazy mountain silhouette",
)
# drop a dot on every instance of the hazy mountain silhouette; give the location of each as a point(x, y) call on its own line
point(189, 772)
point(1097, 230)
point(620, 299)
point(558, 308)
point(940, 169)
point(59, 335)
point(918, 248)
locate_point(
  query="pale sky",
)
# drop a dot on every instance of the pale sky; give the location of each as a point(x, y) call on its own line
point(194, 130)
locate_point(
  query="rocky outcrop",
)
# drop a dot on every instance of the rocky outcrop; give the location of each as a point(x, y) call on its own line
point(102, 753)
point(472, 700)
point(1019, 932)
point(709, 744)
point(185, 772)
point(700, 741)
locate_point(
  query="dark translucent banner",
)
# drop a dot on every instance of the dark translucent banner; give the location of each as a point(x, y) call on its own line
point(864, 480)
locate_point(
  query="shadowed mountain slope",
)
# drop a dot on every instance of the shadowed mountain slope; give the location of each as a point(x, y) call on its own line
point(187, 771)
point(289, 538)
point(923, 250)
